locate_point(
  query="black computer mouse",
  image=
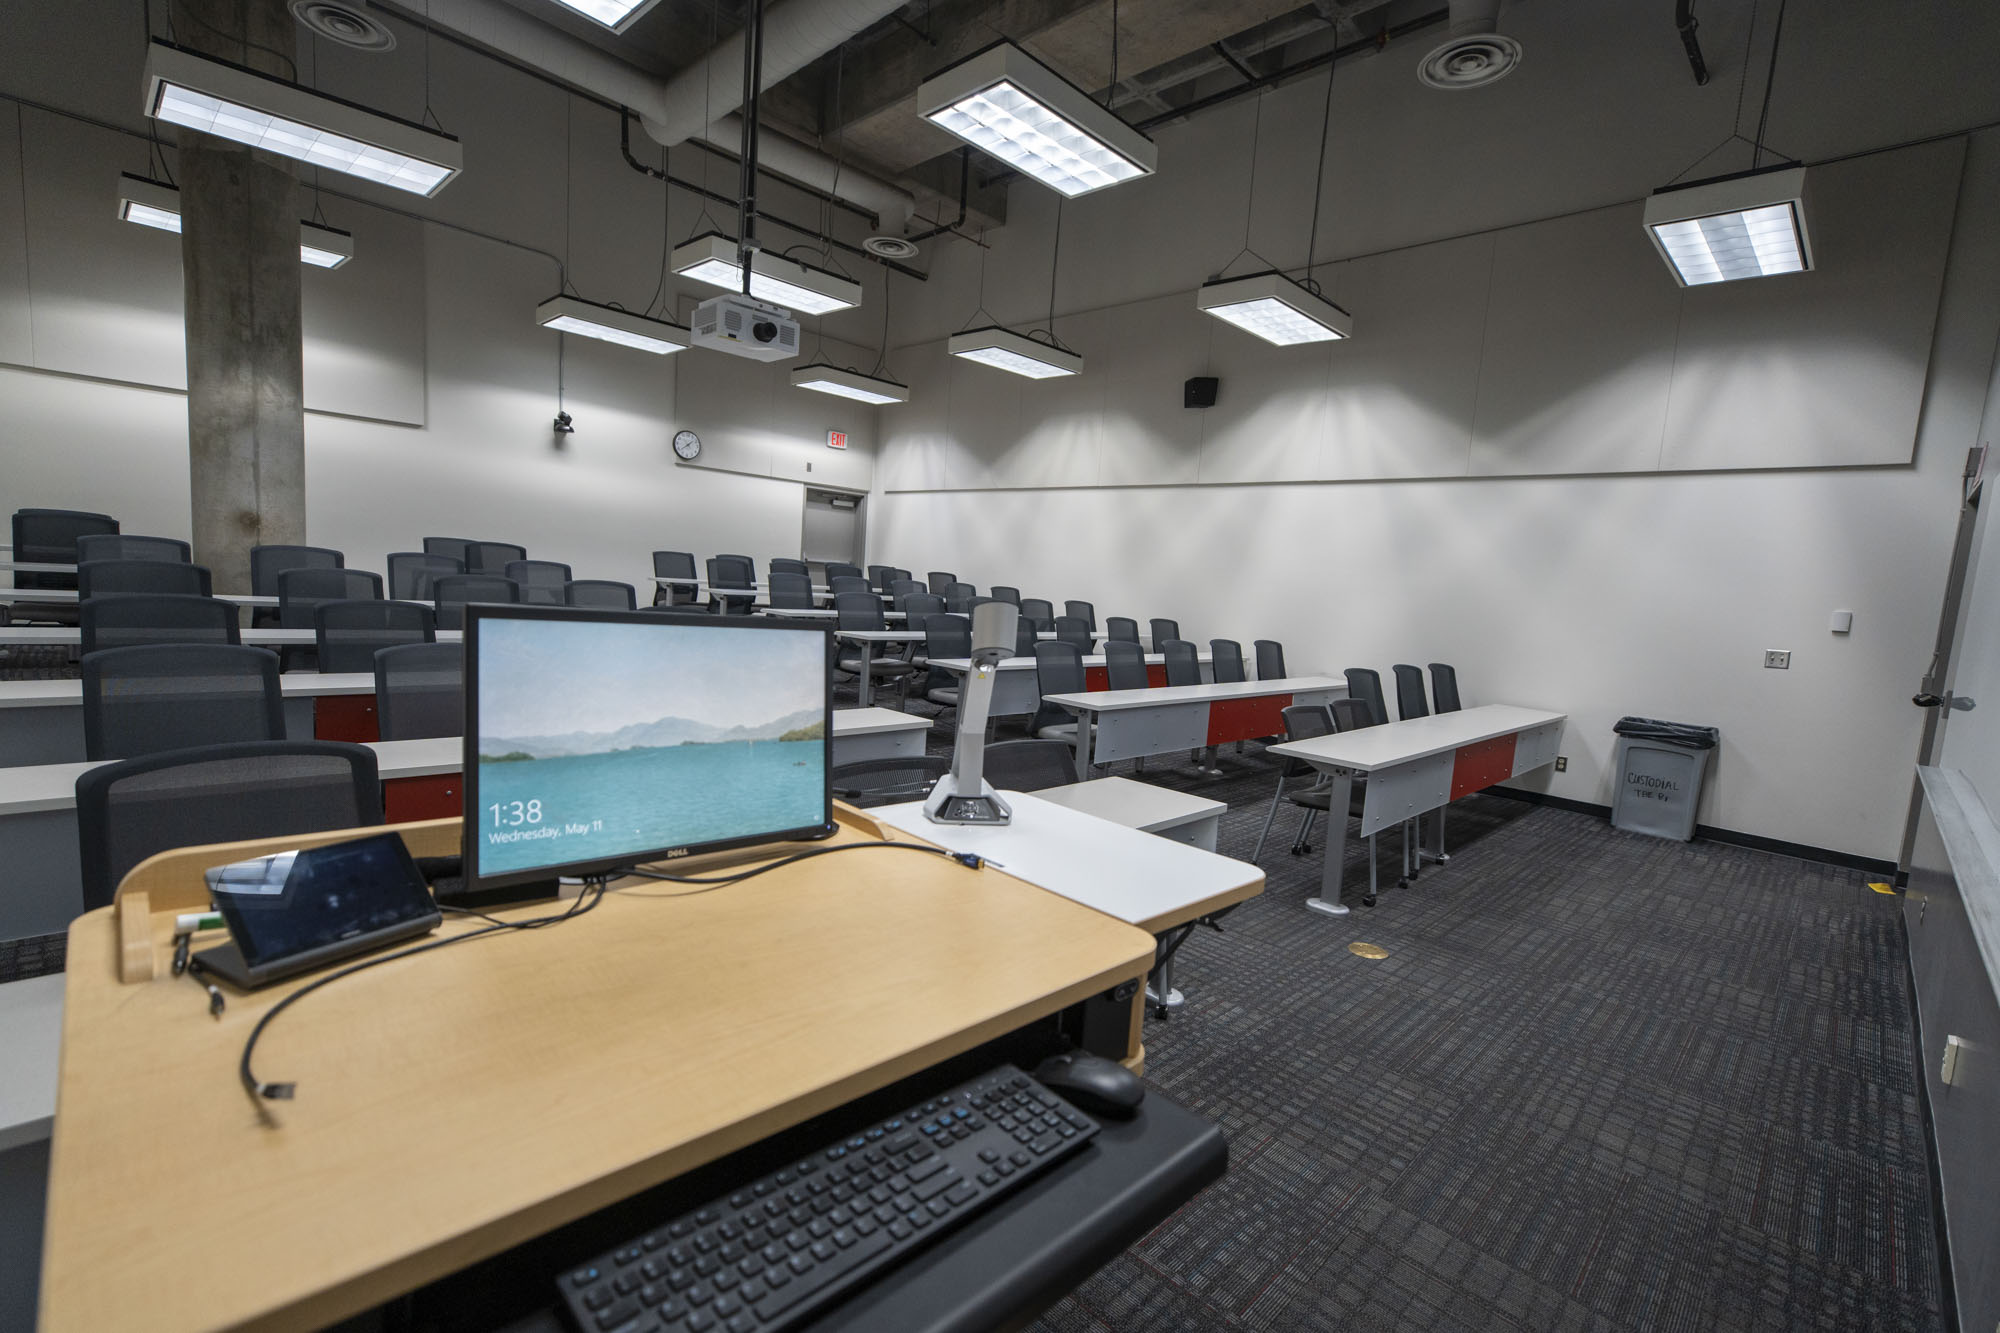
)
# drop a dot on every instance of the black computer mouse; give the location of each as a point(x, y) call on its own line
point(1093, 1083)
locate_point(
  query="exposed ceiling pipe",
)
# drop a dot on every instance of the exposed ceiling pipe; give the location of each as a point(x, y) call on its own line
point(656, 102)
point(1684, 20)
point(1474, 16)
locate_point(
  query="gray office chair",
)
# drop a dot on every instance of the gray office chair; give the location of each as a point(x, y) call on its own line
point(458, 548)
point(419, 691)
point(173, 696)
point(456, 591)
point(842, 570)
point(1225, 660)
point(1270, 659)
point(729, 575)
point(1302, 722)
point(1183, 661)
point(1037, 608)
point(1122, 629)
point(96, 578)
point(301, 590)
point(127, 811)
point(1058, 670)
point(902, 589)
point(870, 782)
point(128, 546)
point(1002, 593)
point(1365, 684)
point(674, 565)
point(919, 605)
point(346, 634)
point(1025, 637)
point(412, 574)
point(542, 581)
point(1162, 630)
point(49, 537)
point(1410, 700)
point(1033, 765)
point(492, 557)
point(863, 611)
point(879, 576)
point(130, 619)
point(1444, 688)
point(848, 583)
point(749, 565)
point(959, 598)
point(1075, 631)
point(602, 594)
point(1083, 611)
point(267, 562)
point(1125, 665)
point(1351, 714)
point(791, 590)
point(939, 579)
point(944, 636)
point(779, 564)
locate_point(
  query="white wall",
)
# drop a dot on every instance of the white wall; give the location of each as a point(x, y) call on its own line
point(430, 390)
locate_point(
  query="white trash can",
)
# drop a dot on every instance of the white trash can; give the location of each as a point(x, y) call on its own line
point(1660, 767)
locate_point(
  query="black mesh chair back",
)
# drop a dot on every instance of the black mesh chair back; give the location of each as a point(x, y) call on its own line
point(1270, 659)
point(868, 782)
point(880, 576)
point(1025, 637)
point(1033, 765)
point(1073, 631)
point(300, 590)
point(603, 594)
point(791, 590)
point(1162, 630)
point(1002, 593)
point(674, 565)
point(858, 610)
point(173, 696)
point(1125, 665)
point(1036, 608)
point(129, 546)
point(940, 579)
point(1302, 723)
point(749, 565)
point(1365, 684)
point(542, 581)
point(841, 583)
point(1058, 670)
point(267, 562)
point(48, 537)
point(959, 598)
point(920, 604)
point(1123, 629)
point(346, 634)
point(128, 620)
point(840, 569)
point(96, 578)
point(412, 574)
point(127, 811)
point(1351, 714)
point(944, 636)
point(1410, 700)
point(1183, 661)
point(902, 588)
point(727, 573)
point(455, 591)
point(458, 548)
point(492, 557)
point(419, 691)
point(1083, 611)
point(1444, 688)
point(779, 564)
point(1225, 664)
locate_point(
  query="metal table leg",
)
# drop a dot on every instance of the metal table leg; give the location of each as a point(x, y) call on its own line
point(1328, 900)
point(867, 673)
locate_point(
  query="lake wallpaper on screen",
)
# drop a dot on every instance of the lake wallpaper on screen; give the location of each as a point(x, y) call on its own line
point(599, 740)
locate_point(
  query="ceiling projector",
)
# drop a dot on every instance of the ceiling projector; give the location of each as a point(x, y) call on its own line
point(742, 327)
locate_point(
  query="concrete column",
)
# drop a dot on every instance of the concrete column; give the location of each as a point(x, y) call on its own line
point(240, 265)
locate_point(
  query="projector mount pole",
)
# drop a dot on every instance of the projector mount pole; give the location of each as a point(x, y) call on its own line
point(753, 78)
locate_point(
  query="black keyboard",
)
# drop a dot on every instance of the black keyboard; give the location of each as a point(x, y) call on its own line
point(774, 1253)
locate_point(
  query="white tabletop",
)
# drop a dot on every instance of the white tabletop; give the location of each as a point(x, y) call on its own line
point(58, 636)
point(1122, 872)
point(292, 684)
point(815, 613)
point(1138, 805)
point(30, 1037)
point(875, 721)
point(964, 664)
point(1108, 701)
point(36, 567)
point(1374, 748)
point(880, 635)
point(71, 595)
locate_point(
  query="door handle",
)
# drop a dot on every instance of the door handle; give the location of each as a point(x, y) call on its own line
point(1927, 700)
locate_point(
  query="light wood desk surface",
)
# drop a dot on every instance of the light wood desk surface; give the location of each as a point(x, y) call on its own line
point(459, 1102)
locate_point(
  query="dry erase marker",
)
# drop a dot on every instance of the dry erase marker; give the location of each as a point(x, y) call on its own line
point(189, 922)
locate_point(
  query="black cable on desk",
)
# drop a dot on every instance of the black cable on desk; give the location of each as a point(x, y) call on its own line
point(969, 860)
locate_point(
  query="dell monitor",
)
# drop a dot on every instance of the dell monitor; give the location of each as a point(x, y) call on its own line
point(598, 740)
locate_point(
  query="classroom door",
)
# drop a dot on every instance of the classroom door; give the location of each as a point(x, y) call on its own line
point(834, 526)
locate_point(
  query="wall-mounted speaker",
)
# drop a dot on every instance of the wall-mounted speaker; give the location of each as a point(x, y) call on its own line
point(1200, 391)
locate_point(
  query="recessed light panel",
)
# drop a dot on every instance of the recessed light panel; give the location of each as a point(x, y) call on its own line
point(1016, 353)
point(569, 314)
point(1276, 309)
point(1751, 226)
point(616, 15)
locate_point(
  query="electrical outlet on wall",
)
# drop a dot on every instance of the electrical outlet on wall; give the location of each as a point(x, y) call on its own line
point(1778, 659)
point(1562, 763)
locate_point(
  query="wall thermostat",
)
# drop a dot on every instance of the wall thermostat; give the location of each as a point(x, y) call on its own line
point(688, 445)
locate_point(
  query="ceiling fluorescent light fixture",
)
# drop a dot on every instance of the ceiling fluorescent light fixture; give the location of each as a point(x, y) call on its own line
point(1747, 226)
point(617, 15)
point(151, 204)
point(1276, 309)
point(712, 258)
point(1017, 353)
point(250, 108)
point(1006, 103)
point(569, 314)
point(823, 378)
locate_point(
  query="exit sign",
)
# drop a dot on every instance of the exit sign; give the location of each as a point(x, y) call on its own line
point(836, 439)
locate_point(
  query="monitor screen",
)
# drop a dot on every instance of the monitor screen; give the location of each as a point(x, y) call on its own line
point(601, 739)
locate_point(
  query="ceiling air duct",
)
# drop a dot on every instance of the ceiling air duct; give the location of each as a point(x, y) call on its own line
point(1475, 54)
